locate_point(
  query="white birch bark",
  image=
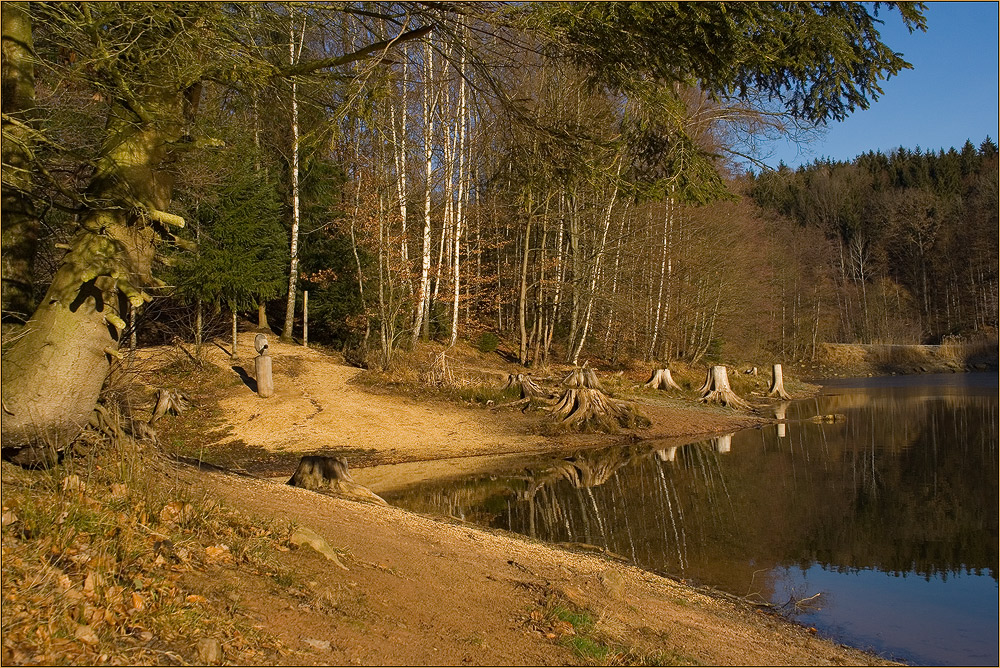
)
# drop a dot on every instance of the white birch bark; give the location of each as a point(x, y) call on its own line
point(459, 211)
point(293, 271)
point(419, 317)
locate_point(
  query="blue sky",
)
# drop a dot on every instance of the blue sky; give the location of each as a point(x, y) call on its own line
point(949, 96)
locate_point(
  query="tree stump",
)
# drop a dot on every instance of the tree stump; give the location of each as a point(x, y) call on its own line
point(262, 367)
point(585, 407)
point(777, 388)
point(329, 475)
point(660, 379)
point(583, 377)
point(529, 388)
point(719, 391)
point(169, 401)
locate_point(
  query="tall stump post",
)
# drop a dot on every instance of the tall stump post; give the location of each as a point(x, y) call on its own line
point(262, 367)
point(777, 388)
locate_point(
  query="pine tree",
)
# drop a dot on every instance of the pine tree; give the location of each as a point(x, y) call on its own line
point(242, 253)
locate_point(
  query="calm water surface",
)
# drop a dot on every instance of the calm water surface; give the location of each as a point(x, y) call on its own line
point(879, 528)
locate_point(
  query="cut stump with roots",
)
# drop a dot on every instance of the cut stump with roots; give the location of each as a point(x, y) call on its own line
point(717, 389)
point(329, 475)
point(585, 407)
point(660, 379)
point(777, 388)
point(169, 401)
point(527, 385)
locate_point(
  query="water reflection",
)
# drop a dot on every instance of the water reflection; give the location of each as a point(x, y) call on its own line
point(902, 483)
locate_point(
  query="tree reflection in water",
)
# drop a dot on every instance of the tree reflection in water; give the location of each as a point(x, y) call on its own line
point(906, 484)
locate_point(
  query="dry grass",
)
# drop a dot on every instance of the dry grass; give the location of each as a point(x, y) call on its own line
point(95, 553)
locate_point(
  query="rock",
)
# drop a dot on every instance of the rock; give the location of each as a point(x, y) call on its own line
point(612, 580)
point(209, 651)
point(303, 537)
point(321, 645)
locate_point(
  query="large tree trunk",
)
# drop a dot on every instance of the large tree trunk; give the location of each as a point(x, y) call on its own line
point(20, 222)
point(53, 374)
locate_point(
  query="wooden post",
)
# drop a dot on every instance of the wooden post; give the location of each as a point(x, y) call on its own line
point(305, 318)
point(262, 368)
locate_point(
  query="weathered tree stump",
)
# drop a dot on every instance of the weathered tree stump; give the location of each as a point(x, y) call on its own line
point(329, 475)
point(777, 388)
point(719, 391)
point(583, 377)
point(661, 380)
point(587, 409)
point(529, 388)
point(262, 367)
point(169, 401)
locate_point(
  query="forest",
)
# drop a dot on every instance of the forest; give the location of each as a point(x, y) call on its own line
point(573, 179)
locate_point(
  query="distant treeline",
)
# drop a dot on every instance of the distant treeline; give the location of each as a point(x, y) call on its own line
point(913, 238)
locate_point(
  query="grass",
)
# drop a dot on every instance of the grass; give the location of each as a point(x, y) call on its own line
point(594, 647)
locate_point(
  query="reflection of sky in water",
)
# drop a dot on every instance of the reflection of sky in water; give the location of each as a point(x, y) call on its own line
point(902, 615)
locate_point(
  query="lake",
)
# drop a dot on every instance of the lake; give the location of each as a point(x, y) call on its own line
point(876, 524)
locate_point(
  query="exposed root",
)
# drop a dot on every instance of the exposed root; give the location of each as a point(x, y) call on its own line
point(587, 409)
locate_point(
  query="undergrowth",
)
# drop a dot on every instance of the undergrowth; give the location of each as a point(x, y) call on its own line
point(95, 554)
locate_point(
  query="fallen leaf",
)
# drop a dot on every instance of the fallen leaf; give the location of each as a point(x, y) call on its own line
point(137, 601)
point(195, 598)
point(564, 628)
point(85, 633)
point(218, 553)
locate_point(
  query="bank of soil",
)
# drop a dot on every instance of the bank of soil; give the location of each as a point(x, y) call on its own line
point(419, 590)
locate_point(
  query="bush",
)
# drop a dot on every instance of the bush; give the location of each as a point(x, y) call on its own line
point(487, 342)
